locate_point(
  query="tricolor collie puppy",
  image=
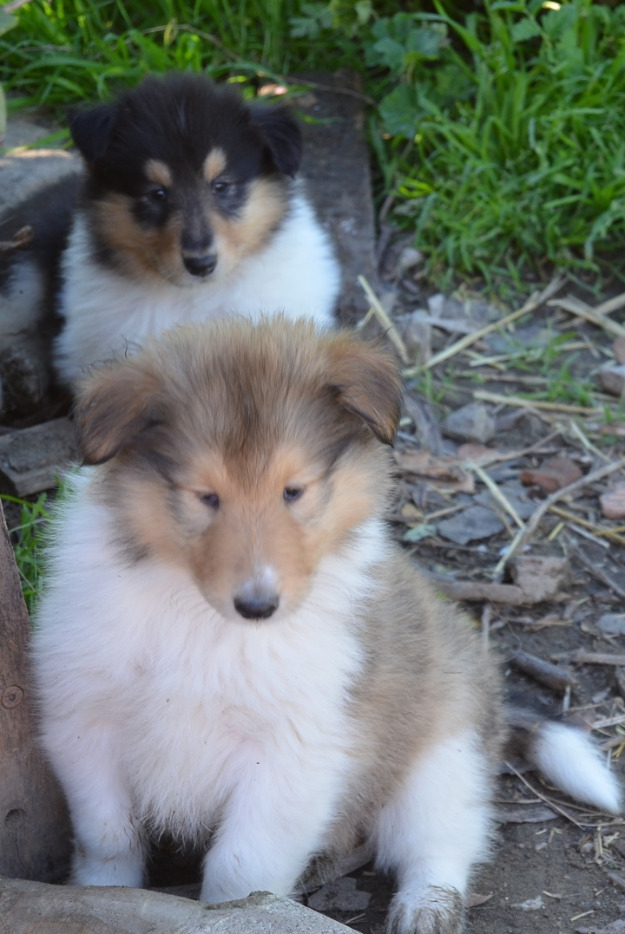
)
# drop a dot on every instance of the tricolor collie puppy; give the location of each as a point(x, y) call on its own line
point(230, 648)
point(187, 210)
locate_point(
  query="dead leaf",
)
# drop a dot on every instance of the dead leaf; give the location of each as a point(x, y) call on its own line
point(477, 453)
point(473, 900)
point(613, 502)
point(446, 471)
point(541, 578)
point(554, 474)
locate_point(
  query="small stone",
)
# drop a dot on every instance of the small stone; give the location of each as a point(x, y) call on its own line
point(554, 474)
point(531, 904)
point(612, 379)
point(340, 895)
point(618, 348)
point(613, 502)
point(612, 624)
point(472, 422)
point(416, 332)
point(470, 525)
point(408, 259)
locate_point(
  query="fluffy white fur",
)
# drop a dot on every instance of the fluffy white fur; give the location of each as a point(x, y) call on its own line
point(145, 664)
point(106, 313)
point(445, 805)
point(571, 761)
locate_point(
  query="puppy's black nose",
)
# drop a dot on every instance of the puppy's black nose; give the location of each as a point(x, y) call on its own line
point(200, 265)
point(260, 607)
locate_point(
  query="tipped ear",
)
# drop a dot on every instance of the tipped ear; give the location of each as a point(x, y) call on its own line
point(91, 130)
point(112, 408)
point(281, 134)
point(367, 382)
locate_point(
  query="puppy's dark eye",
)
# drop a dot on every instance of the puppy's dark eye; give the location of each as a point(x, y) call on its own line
point(292, 493)
point(158, 195)
point(220, 186)
point(209, 499)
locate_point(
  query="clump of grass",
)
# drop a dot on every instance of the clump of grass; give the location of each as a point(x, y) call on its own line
point(515, 123)
point(65, 51)
point(27, 537)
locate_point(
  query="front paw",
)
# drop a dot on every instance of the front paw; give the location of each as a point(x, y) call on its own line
point(437, 910)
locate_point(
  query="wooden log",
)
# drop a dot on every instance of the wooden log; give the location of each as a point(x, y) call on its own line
point(34, 826)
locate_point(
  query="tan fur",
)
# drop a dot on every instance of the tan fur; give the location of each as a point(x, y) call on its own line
point(157, 253)
point(214, 164)
point(158, 172)
point(188, 423)
point(263, 211)
point(141, 253)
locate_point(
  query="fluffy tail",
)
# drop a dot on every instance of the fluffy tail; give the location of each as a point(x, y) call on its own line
point(570, 759)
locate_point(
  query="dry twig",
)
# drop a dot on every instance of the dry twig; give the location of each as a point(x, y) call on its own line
point(535, 301)
point(377, 310)
point(524, 535)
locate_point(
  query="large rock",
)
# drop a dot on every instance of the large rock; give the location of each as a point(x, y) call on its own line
point(35, 908)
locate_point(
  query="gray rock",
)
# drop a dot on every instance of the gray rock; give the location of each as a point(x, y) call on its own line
point(22, 170)
point(515, 493)
point(470, 525)
point(472, 422)
point(612, 624)
point(37, 908)
point(341, 895)
point(612, 379)
point(31, 459)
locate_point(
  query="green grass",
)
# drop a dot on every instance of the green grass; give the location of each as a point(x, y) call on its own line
point(499, 132)
point(27, 535)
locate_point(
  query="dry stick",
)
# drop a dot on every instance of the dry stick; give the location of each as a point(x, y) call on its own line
point(599, 533)
point(598, 573)
point(496, 493)
point(549, 801)
point(535, 301)
point(612, 304)
point(554, 677)
point(380, 312)
point(586, 442)
point(523, 535)
point(582, 310)
point(483, 396)
point(581, 657)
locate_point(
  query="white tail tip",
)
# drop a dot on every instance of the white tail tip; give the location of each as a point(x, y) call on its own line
point(569, 759)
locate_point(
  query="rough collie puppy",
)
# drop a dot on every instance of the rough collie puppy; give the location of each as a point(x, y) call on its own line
point(231, 649)
point(187, 210)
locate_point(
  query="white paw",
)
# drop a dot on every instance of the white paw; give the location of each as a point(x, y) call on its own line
point(124, 870)
point(437, 910)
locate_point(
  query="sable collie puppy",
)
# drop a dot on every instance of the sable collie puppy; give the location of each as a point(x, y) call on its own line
point(187, 209)
point(230, 648)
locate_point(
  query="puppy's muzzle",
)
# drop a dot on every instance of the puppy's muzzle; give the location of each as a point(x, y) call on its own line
point(256, 601)
point(201, 266)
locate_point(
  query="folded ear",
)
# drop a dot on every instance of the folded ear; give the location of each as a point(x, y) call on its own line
point(367, 382)
point(91, 130)
point(113, 407)
point(281, 135)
